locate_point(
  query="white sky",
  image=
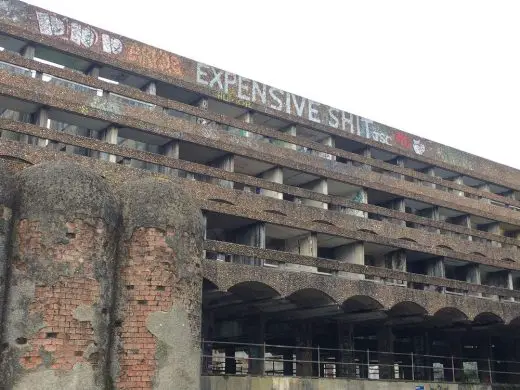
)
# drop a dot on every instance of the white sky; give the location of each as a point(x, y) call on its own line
point(444, 70)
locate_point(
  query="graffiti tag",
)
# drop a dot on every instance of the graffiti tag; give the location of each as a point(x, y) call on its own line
point(80, 34)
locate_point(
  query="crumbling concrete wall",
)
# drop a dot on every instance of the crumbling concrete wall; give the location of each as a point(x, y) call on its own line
point(159, 305)
point(68, 322)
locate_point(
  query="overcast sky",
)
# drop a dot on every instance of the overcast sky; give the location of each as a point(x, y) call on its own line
point(444, 70)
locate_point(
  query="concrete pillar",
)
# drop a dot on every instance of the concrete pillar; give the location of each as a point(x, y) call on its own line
point(230, 364)
point(252, 235)
point(430, 171)
point(276, 176)
point(320, 186)
point(346, 367)
point(304, 350)
point(458, 180)
point(399, 161)
point(433, 214)
point(360, 196)
point(109, 136)
point(422, 362)
point(456, 351)
point(503, 279)
point(494, 228)
point(353, 254)
point(484, 353)
point(171, 149)
point(396, 260)
point(366, 152)
point(257, 353)
point(290, 130)
point(435, 267)
point(385, 347)
point(472, 272)
point(305, 245)
point(41, 119)
point(328, 141)
point(227, 163)
point(397, 205)
point(462, 220)
point(485, 188)
point(288, 362)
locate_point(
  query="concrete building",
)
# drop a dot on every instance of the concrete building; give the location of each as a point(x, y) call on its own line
point(166, 224)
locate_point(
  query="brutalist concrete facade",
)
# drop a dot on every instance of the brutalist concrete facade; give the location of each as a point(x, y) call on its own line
point(152, 205)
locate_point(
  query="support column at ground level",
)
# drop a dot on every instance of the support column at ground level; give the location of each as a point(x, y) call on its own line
point(208, 325)
point(385, 341)
point(257, 352)
point(230, 364)
point(346, 367)
point(304, 350)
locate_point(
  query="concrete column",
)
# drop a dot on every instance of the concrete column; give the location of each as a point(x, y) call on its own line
point(495, 228)
point(385, 346)
point(276, 176)
point(435, 267)
point(305, 245)
point(109, 135)
point(457, 353)
point(397, 205)
point(399, 161)
point(346, 367)
point(328, 141)
point(360, 197)
point(458, 180)
point(227, 163)
point(252, 235)
point(396, 260)
point(472, 272)
point(503, 279)
point(27, 52)
point(320, 186)
point(290, 130)
point(304, 350)
point(485, 188)
point(366, 152)
point(151, 88)
point(430, 171)
point(41, 119)
point(462, 220)
point(484, 353)
point(422, 362)
point(353, 254)
point(257, 353)
point(288, 362)
point(230, 364)
point(171, 149)
point(433, 214)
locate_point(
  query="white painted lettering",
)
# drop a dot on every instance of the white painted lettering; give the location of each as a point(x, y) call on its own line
point(313, 112)
point(217, 74)
point(201, 74)
point(229, 79)
point(287, 102)
point(276, 98)
point(83, 36)
point(243, 89)
point(299, 108)
point(333, 119)
point(261, 90)
point(346, 121)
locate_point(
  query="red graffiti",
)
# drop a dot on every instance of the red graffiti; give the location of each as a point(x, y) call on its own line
point(403, 140)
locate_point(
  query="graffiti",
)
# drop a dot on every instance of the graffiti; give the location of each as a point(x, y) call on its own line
point(79, 34)
point(403, 140)
point(418, 146)
point(231, 98)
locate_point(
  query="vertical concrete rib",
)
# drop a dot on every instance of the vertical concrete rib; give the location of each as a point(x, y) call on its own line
point(159, 306)
point(58, 314)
